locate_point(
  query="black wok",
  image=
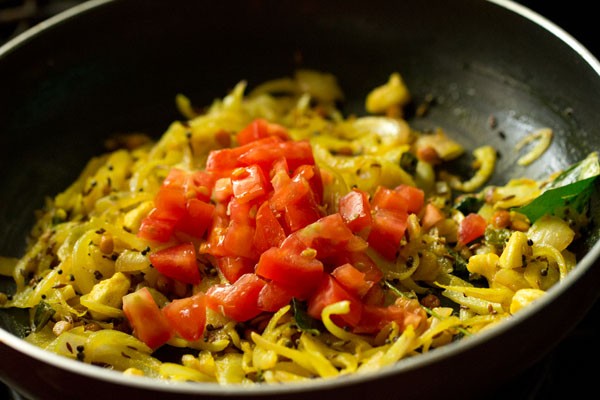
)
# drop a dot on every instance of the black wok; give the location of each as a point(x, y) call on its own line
point(115, 66)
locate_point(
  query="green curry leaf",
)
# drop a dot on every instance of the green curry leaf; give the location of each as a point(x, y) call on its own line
point(568, 193)
point(305, 322)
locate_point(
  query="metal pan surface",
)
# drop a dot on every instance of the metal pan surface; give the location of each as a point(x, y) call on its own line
point(114, 66)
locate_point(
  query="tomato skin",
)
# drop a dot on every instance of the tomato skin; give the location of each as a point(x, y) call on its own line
point(260, 128)
point(404, 312)
point(273, 296)
point(431, 216)
point(269, 232)
point(197, 218)
point(387, 232)
point(388, 199)
point(355, 209)
point(312, 175)
point(353, 280)
point(470, 228)
point(233, 268)
point(298, 273)
point(238, 301)
point(187, 316)
point(414, 198)
point(170, 202)
point(248, 183)
point(148, 322)
point(296, 153)
point(329, 292)
point(223, 161)
point(156, 230)
point(330, 236)
point(177, 262)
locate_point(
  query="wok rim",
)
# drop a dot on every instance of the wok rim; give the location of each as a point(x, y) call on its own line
point(405, 365)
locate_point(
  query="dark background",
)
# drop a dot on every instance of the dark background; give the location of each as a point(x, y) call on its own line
point(570, 369)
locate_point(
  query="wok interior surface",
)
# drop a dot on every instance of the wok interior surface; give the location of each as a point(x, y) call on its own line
point(117, 67)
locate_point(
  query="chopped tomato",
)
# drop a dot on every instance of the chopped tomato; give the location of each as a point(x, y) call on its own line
point(388, 199)
point(299, 273)
point(216, 234)
point(329, 292)
point(155, 229)
point(223, 189)
point(260, 128)
point(331, 236)
point(177, 262)
point(248, 183)
point(187, 316)
point(352, 279)
point(355, 209)
point(470, 228)
point(387, 232)
point(362, 262)
point(148, 323)
point(273, 296)
point(239, 235)
point(197, 218)
point(238, 301)
point(413, 197)
point(404, 312)
point(431, 216)
point(170, 202)
point(224, 161)
point(299, 215)
point(269, 232)
point(296, 153)
point(313, 176)
point(233, 268)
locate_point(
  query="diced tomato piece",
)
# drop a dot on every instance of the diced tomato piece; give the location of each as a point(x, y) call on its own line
point(273, 296)
point(177, 262)
point(202, 183)
point(329, 292)
point(239, 236)
point(301, 214)
point(279, 174)
point(269, 232)
point(233, 268)
point(155, 229)
point(294, 192)
point(238, 301)
point(296, 153)
point(312, 175)
point(362, 262)
point(197, 218)
point(298, 273)
point(176, 178)
point(261, 128)
point(431, 216)
point(352, 279)
point(404, 312)
point(414, 198)
point(148, 323)
point(225, 160)
point(187, 316)
point(216, 233)
point(355, 209)
point(387, 232)
point(248, 183)
point(331, 236)
point(388, 199)
point(223, 189)
point(471, 227)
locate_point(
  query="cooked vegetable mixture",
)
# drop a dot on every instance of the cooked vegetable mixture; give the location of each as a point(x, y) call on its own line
point(272, 239)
